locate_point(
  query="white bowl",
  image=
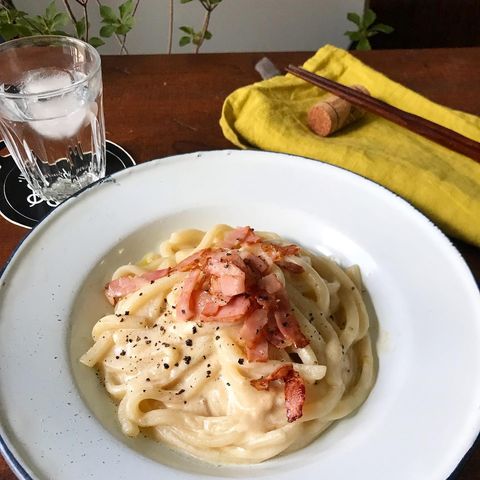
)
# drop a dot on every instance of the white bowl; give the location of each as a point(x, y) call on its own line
point(418, 422)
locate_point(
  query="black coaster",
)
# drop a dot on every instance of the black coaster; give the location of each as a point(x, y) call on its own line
point(18, 203)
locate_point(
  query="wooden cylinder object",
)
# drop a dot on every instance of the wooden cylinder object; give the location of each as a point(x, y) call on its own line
point(333, 113)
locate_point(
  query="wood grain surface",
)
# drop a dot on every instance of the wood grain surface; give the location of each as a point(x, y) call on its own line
point(158, 105)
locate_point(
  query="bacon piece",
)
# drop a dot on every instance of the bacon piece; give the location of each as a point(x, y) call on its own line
point(210, 309)
point(234, 310)
point(252, 237)
point(290, 266)
point(280, 373)
point(195, 260)
point(282, 329)
point(228, 285)
point(287, 323)
point(185, 307)
point(294, 389)
point(274, 335)
point(256, 263)
point(239, 235)
point(205, 304)
point(252, 326)
point(123, 286)
point(287, 250)
point(156, 274)
point(294, 396)
point(278, 252)
point(228, 275)
point(265, 300)
point(270, 283)
point(225, 263)
point(252, 332)
point(259, 351)
point(237, 257)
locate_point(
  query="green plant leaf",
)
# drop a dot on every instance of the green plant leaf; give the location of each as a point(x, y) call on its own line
point(96, 42)
point(369, 17)
point(366, 29)
point(129, 22)
point(381, 27)
point(51, 10)
point(60, 20)
point(354, 17)
point(208, 35)
point(185, 1)
point(122, 29)
point(21, 23)
point(354, 36)
point(8, 31)
point(38, 23)
point(80, 27)
point(363, 44)
point(24, 31)
point(31, 25)
point(188, 30)
point(17, 14)
point(126, 9)
point(184, 41)
point(108, 15)
point(107, 31)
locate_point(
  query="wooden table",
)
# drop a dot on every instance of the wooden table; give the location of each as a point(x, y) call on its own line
point(158, 105)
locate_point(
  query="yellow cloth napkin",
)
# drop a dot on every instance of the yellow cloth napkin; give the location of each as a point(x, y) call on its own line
point(272, 115)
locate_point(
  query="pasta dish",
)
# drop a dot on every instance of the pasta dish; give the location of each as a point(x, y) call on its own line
point(233, 345)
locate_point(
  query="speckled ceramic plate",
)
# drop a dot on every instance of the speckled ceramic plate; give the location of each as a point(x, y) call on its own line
point(422, 415)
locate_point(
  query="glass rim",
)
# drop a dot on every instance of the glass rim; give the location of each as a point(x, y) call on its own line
point(47, 38)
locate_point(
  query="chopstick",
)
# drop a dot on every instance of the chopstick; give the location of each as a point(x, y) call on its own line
point(437, 133)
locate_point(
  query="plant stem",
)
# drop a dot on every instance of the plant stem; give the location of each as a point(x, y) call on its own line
point(135, 9)
point(170, 28)
point(70, 11)
point(85, 9)
point(204, 28)
point(84, 4)
point(122, 47)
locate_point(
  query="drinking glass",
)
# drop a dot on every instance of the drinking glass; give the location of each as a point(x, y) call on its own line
point(51, 113)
